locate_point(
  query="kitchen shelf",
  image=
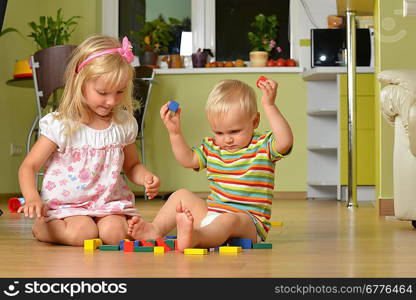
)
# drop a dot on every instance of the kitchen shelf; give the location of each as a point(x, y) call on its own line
point(323, 183)
point(322, 112)
point(322, 147)
point(26, 82)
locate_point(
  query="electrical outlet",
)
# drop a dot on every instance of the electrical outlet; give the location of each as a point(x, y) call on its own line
point(16, 150)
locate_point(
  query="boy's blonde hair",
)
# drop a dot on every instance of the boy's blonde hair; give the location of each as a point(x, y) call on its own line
point(111, 67)
point(227, 93)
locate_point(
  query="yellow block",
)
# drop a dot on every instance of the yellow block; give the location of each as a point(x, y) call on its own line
point(230, 249)
point(197, 251)
point(159, 249)
point(276, 223)
point(98, 242)
point(89, 244)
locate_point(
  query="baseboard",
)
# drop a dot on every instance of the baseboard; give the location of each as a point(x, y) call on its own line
point(289, 195)
point(386, 207)
point(203, 195)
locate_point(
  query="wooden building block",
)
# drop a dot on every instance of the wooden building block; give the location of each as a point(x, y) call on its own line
point(143, 249)
point(89, 244)
point(171, 244)
point(147, 243)
point(162, 243)
point(244, 243)
point(262, 246)
point(159, 249)
point(173, 106)
point(195, 251)
point(109, 247)
point(128, 246)
point(98, 242)
point(230, 249)
point(276, 223)
point(121, 244)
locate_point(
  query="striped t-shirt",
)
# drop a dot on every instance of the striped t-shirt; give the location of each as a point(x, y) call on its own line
point(241, 181)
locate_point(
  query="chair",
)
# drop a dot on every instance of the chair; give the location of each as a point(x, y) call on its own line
point(398, 106)
point(48, 67)
point(142, 88)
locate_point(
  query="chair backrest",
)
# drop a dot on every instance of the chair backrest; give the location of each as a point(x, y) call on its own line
point(142, 86)
point(50, 71)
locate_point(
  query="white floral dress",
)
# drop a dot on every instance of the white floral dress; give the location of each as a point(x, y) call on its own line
point(82, 177)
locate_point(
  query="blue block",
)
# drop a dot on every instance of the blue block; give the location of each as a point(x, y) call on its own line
point(121, 245)
point(173, 106)
point(244, 243)
point(136, 243)
point(170, 237)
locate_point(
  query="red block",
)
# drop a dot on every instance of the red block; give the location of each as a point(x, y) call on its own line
point(129, 246)
point(145, 243)
point(163, 244)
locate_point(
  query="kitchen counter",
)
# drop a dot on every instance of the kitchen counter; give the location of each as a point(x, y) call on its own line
point(229, 70)
point(330, 73)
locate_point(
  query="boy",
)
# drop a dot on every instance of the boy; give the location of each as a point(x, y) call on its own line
point(240, 167)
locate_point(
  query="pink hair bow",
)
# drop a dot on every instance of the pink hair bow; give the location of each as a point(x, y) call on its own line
point(125, 52)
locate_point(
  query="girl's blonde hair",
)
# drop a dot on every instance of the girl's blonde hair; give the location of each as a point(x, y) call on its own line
point(111, 67)
point(228, 93)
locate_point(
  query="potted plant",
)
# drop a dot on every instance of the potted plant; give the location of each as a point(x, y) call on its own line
point(262, 39)
point(51, 36)
point(153, 38)
point(49, 32)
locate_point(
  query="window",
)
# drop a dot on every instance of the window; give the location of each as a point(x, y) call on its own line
point(220, 25)
point(233, 22)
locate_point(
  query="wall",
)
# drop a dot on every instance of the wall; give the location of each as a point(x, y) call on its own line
point(17, 104)
point(395, 46)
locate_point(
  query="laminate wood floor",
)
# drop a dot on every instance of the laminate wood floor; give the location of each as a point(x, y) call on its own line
point(317, 239)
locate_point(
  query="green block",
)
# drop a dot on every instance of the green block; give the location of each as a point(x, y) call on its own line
point(143, 249)
point(109, 247)
point(262, 246)
point(170, 243)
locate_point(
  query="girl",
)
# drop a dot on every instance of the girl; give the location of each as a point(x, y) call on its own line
point(84, 146)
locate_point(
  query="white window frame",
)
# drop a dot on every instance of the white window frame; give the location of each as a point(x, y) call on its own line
point(202, 20)
point(203, 24)
point(109, 18)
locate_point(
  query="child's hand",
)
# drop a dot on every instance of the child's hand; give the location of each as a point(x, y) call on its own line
point(33, 208)
point(171, 121)
point(268, 88)
point(151, 185)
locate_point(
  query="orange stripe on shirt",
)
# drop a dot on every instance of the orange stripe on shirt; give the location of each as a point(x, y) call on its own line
point(241, 198)
point(244, 182)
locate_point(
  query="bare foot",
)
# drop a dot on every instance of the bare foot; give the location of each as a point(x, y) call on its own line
point(138, 229)
point(185, 225)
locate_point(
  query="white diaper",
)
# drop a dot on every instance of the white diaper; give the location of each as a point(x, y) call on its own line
point(211, 216)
